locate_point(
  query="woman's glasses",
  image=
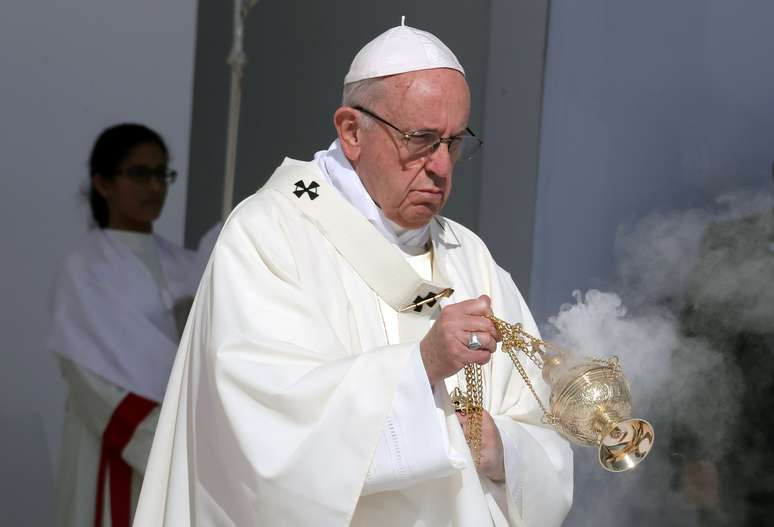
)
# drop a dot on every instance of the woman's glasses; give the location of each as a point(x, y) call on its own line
point(142, 175)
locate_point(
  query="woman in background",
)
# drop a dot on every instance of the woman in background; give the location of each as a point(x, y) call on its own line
point(119, 302)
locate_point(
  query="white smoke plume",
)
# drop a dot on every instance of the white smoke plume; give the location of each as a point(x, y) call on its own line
point(598, 325)
point(687, 281)
point(657, 255)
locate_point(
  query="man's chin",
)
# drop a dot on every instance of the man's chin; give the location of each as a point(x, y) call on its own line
point(417, 221)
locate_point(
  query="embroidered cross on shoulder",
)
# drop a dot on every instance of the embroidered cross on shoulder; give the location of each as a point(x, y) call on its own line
point(428, 300)
point(302, 189)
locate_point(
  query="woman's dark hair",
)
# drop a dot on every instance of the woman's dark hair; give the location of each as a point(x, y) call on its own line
point(112, 147)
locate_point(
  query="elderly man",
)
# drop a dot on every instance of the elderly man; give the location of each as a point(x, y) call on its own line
point(337, 314)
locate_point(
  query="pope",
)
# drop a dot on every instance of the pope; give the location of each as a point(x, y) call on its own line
point(336, 315)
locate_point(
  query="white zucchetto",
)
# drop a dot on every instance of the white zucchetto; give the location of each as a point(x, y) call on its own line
point(399, 50)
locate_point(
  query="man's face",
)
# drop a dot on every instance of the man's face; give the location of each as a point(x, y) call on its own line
point(410, 191)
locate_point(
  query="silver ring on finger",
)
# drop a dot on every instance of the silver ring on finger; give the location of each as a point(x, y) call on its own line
point(473, 342)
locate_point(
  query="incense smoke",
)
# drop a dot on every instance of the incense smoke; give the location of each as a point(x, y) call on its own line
point(688, 282)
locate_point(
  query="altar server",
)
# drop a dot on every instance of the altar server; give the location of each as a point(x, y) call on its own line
point(120, 298)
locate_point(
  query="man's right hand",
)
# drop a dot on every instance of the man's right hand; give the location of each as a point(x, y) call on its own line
point(445, 350)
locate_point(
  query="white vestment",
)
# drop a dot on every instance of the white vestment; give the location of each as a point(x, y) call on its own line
point(286, 376)
point(114, 333)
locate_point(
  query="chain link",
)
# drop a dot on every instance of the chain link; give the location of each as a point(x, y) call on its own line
point(471, 402)
point(474, 384)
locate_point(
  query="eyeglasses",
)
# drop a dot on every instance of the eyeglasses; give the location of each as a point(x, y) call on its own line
point(142, 175)
point(422, 143)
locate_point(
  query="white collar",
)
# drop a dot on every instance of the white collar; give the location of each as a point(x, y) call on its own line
point(339, 173)
point(137, 241)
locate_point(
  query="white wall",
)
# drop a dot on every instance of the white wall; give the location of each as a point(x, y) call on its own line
point(69, 69)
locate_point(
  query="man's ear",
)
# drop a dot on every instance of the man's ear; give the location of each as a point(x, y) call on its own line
point(101, 185)
point(350, 134)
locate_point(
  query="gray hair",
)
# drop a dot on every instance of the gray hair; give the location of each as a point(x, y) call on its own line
point(363, 93)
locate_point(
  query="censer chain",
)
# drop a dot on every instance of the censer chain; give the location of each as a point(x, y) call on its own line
point(514, 339)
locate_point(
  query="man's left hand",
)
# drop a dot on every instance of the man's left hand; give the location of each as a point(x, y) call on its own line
point(491, 464)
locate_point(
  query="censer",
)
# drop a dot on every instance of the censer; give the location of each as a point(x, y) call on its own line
point(590, 403)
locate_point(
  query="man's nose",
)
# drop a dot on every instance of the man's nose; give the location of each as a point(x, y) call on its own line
point(440, 162)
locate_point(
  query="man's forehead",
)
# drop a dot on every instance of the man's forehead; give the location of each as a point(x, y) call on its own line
point(425, 83)
point(423, 90)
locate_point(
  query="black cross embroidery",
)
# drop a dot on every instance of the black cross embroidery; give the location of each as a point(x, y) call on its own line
point(429, 304)
point(311, 190)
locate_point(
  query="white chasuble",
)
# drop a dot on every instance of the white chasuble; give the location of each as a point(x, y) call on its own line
point(286, 376)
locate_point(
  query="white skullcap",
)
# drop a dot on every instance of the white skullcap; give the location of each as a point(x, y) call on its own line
point(399, 50)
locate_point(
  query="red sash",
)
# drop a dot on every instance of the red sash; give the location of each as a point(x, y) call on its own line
point(131, 411)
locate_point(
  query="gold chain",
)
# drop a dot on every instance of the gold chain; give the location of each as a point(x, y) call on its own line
point(520, 368)
point(475, 391)
point(471, 402)
point(515, 339)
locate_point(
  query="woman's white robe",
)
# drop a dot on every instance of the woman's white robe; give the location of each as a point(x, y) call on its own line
point(114, 333)
point(284, 379)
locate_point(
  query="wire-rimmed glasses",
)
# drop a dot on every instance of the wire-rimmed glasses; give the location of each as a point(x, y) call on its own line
point(422, 143)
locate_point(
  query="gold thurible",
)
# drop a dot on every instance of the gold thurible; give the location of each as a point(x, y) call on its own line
point(590, 403)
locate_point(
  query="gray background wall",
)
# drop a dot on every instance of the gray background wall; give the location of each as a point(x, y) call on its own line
point(513, 103)
point(647, 106)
